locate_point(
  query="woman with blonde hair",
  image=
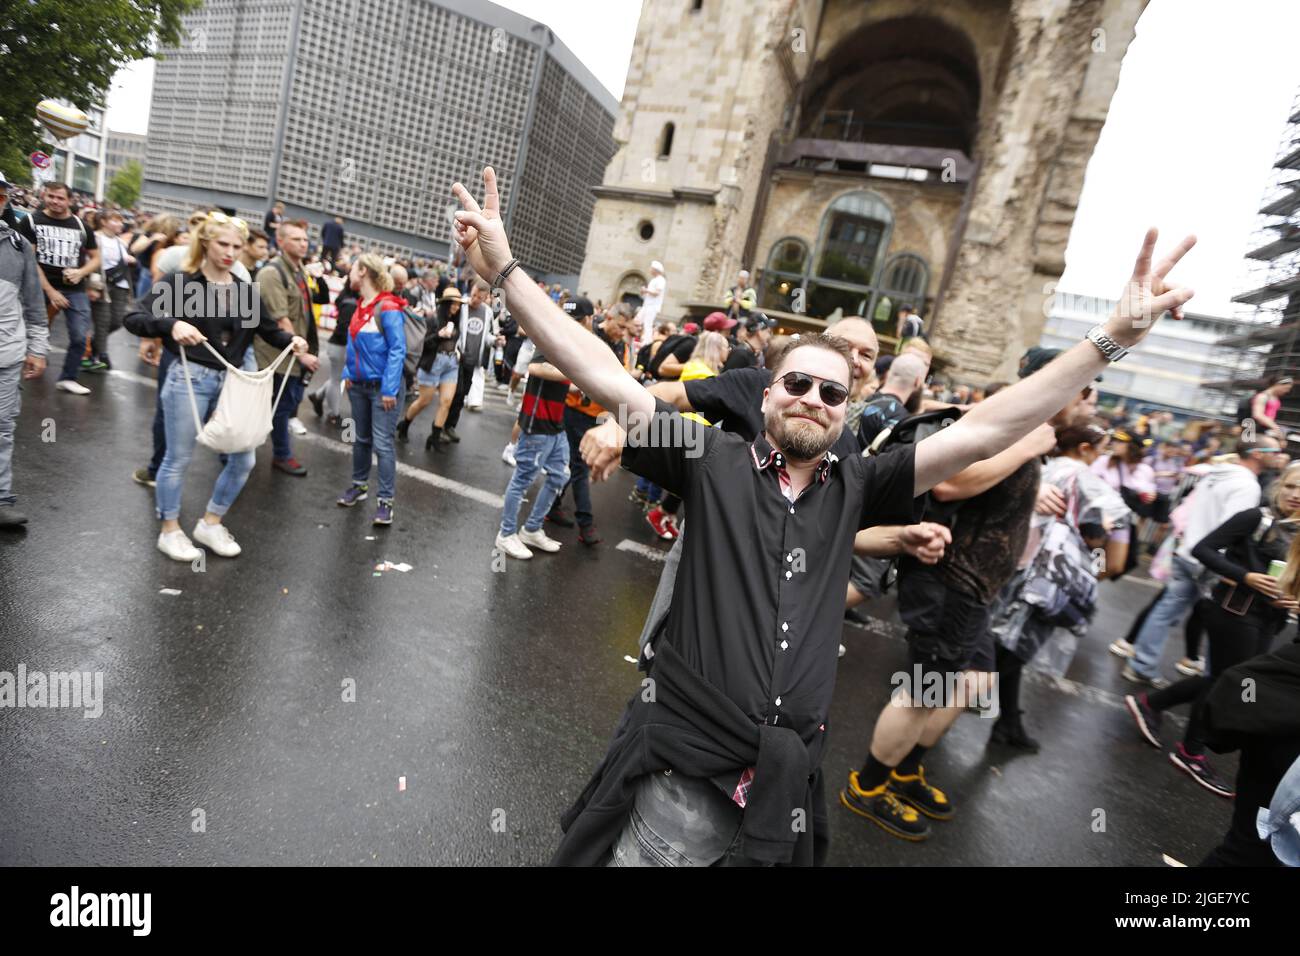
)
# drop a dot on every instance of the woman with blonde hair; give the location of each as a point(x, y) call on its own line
point(372, 374)
point(1256, 554)
point(207, 344)
point(161, 235)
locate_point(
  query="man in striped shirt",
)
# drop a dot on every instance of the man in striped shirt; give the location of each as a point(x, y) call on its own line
point(542, 447)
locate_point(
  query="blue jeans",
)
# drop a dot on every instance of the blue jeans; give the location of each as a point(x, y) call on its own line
point(1181, 592)
point(534, 453)
point(648, 488)
point(288, 407)
point(182, 437)
point(77, 315)
point(376, 431)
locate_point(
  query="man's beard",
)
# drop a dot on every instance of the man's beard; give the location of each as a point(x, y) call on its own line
point(797, 439)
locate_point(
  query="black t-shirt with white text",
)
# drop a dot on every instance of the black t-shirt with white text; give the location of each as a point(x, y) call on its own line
point(60, 244)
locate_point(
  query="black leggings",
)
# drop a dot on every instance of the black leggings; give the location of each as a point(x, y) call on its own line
point(1264, 762)
point(1009, 668)
point(1233, 638)
point(1192, 631)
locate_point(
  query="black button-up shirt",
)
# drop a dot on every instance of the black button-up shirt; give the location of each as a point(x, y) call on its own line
point(759, 600)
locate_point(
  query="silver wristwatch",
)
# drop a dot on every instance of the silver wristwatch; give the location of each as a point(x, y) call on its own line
point(1105, 344)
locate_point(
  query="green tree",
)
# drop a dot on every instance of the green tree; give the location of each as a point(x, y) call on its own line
point(124, 190)
point(69, 50)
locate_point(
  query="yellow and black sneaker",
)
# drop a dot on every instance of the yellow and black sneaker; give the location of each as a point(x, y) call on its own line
point(914, 789)
point(884, 809)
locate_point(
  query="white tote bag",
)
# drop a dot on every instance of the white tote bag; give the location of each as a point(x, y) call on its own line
point(475, 397)
point(242, 418)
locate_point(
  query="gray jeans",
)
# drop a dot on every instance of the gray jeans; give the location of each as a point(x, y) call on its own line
point(330, 386)
point(663, 598)
point(10, 404)
point(679, 821)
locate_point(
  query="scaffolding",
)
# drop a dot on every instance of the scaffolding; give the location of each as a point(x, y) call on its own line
point(1267, 340)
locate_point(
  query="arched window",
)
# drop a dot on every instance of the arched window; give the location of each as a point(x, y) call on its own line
point(666, 141)
point(629, 289)
point(904, 281)
point(854, 236)
point(786, 266)
point(848, 271)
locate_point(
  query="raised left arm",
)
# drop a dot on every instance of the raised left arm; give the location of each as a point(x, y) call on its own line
point(995, 423)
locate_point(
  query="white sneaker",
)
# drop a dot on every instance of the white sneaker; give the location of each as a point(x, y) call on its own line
point(74, 387)
point(217, 537)
point(178, 547)
point(502, 387)
point(508, 455)
point(841, 650)
point(297, 427)
point(1190, 668)
point(513, 547)
point(1121, 648)
point(538, 539)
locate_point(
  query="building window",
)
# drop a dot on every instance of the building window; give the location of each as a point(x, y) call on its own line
point(854, 236)
point(786, 264)
point(844, 274)
point(666, 141)
point(646, 230)
point(85, 173)
point(905, 279)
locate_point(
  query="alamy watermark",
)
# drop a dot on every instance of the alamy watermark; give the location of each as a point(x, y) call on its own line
point(932, 689)
point(659, 431)
point(178, 298)
point(66, 689)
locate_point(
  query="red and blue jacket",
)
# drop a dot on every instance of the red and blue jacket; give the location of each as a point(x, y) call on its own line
point(377, 347)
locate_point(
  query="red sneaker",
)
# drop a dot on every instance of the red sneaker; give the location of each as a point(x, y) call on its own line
point(290, 466)
point(663, 523)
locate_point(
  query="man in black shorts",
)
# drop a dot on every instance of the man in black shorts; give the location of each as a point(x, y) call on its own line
point(945, 607)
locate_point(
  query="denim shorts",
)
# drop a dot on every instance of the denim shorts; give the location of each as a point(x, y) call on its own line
point(445, 369)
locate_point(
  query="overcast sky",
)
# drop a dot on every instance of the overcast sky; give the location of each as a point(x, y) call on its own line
point(1188, 144)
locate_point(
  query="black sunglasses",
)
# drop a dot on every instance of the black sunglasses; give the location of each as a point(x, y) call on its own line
point(798, 383)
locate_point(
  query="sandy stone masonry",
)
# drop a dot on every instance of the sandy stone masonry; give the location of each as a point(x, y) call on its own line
point(736, 80)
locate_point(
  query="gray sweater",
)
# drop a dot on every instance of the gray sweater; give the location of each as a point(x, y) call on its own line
point(23, 328)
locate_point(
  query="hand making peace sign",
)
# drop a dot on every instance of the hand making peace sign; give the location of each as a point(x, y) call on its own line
point(1147, 295)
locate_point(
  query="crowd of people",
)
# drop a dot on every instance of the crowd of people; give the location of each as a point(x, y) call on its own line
point(816, 472)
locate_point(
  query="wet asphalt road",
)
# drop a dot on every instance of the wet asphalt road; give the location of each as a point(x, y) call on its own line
point(491, 693)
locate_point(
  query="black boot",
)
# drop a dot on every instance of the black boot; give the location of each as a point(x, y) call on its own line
point(1010, 732)
point(403, 430)
point(434, 441)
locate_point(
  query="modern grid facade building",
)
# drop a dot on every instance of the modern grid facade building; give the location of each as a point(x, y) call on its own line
point(122, 149)
point(371, 111)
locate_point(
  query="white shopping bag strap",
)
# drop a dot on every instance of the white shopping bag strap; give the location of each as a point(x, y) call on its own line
point(253, 376)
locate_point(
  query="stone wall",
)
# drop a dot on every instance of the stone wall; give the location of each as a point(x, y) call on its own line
point(1047, 118)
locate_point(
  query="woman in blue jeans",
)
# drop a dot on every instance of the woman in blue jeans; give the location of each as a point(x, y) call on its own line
point(372, 374)
point(230, 316)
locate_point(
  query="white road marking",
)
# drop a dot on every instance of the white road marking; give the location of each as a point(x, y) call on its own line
point(636, 547)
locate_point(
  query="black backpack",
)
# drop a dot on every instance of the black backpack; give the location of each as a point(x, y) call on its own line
point(905, 432)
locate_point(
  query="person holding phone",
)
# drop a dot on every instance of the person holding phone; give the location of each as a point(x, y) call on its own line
point(1249, 606)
